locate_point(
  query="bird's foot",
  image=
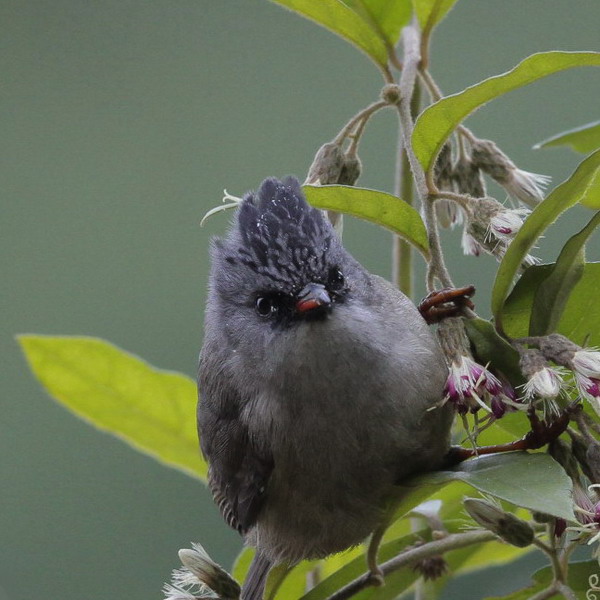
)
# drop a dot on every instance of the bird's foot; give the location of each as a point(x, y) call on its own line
point(542, 432)
point(448, 302)
point(376, 578)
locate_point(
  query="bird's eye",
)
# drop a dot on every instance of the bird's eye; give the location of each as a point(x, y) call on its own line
point(336, 279)
point(265, 307)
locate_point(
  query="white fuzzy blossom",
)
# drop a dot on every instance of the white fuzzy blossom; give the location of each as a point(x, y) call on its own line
point(506, 224)
point(545, 383)
point(199, 578)
point(587, 362)
point(586, 370)
point(526, 187)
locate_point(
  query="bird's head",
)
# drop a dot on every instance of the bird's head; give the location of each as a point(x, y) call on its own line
point(282, 263)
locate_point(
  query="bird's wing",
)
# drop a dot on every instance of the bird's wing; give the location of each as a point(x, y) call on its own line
point(238, 473)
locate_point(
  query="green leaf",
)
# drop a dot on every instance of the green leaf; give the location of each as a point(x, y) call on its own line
point(562, 197)
point(578, 579)
point(431, 12)
point(533, 481)
point(386, 17)
point(493, 349)
point(357, 566)
point(241, 564)
point(552, 294)
point(584, 139)
point(591, 198)
point(152, 410)
point(580, 320)
point(439, 120)
point(341, 19)
point(377, 207)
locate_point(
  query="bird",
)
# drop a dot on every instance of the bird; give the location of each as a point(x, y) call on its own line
point(319, 385)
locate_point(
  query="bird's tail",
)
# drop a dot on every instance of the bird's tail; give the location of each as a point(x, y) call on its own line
point(254, 584)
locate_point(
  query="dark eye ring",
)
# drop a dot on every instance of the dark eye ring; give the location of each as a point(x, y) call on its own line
point(336, 279)
point(265, 307)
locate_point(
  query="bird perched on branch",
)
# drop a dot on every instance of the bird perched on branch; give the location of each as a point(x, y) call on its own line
point(316, 379)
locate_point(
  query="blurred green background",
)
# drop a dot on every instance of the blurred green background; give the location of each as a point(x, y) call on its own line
point(122, 121)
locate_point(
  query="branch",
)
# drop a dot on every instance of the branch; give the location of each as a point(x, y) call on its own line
point(451, 542)
point(358, 118)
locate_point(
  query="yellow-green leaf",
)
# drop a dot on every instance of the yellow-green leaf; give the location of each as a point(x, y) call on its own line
point(591, 197)
point(439, 120)
point(562, 197)
point(386, 17)
point(431, 12)
point(584, 139)
point(152, 410)
point(340, 18)
point(378, 207)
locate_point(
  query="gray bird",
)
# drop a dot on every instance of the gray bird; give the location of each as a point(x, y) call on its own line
point(315, 381)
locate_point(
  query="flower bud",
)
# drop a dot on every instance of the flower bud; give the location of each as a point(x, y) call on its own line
point(390, 93)
point(327, 165)
point(468, 179)
point(351, 169)
point(522, 185)
point(442, 171)
point(505, 525)
point(593, 462)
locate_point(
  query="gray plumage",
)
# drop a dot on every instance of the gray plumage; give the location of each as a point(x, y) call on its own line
point(309, 413)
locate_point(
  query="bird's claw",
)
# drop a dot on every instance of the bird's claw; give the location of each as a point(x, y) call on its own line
point(376, 578)
point(447, 302)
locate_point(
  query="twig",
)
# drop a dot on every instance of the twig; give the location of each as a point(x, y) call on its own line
point(362, 115)
point(465, 202)
point(451, 542)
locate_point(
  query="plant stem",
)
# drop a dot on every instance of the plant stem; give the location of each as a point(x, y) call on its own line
point(451, 542)
point(402, 267)
point(424, 184)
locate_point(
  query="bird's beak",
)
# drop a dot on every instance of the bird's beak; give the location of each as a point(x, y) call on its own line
point(314, 295)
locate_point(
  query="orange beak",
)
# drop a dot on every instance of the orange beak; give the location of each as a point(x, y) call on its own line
point(313, 296)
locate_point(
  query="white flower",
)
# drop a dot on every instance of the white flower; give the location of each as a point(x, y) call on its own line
point(587, 362)
point(525, 186)
point(200, 577)
point(505, 224)
point(546, 383)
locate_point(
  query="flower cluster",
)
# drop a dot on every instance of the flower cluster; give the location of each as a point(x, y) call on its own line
point(576, 366)
point(471, 386)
